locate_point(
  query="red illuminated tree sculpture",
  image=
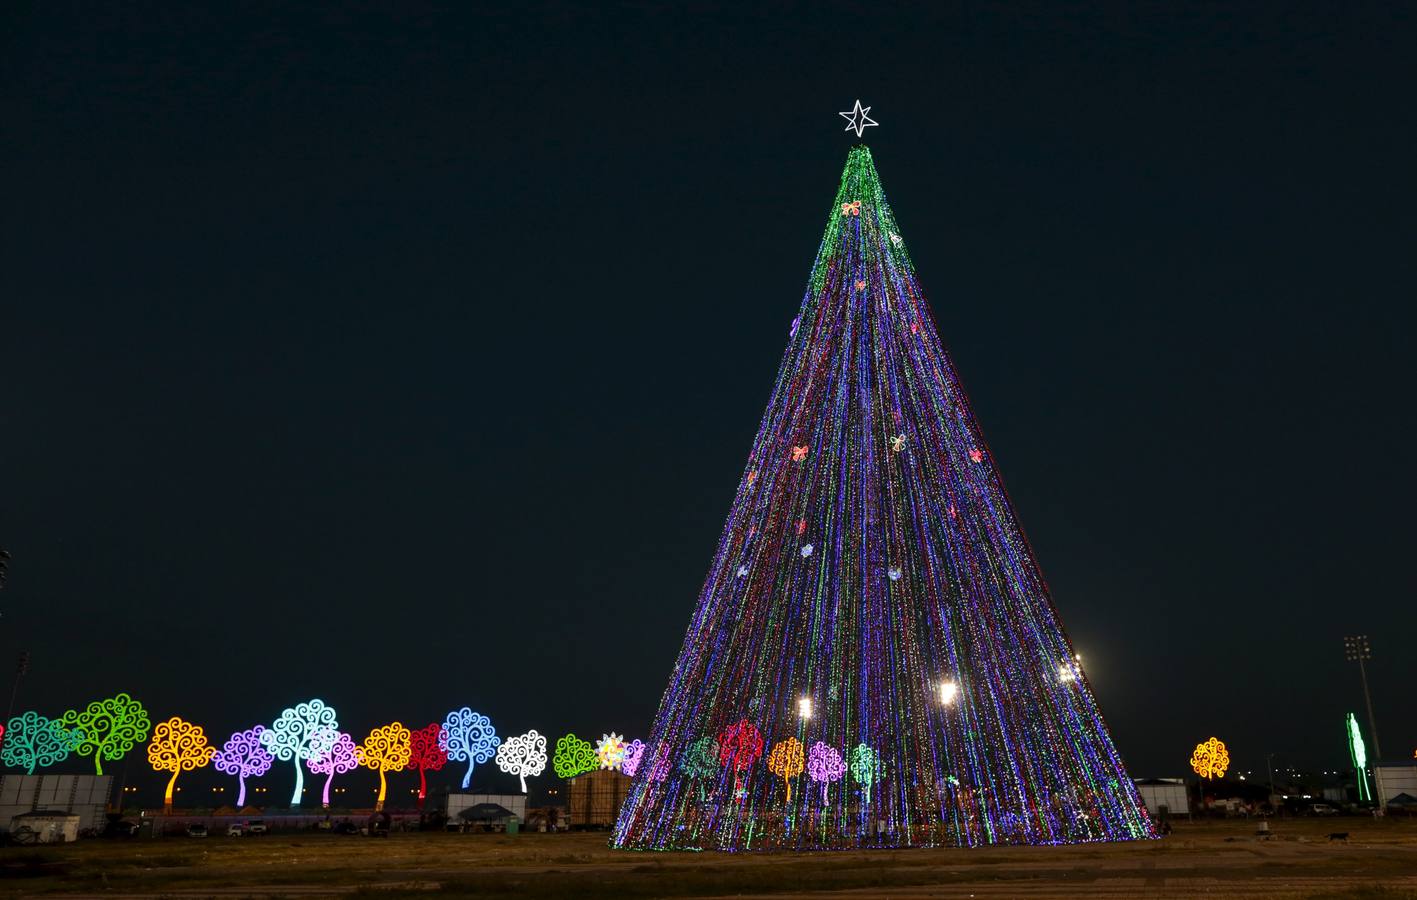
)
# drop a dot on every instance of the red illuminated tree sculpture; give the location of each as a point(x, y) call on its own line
point(426, 755)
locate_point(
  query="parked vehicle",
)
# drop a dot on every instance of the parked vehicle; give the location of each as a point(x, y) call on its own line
point(1322, 809)
point(236, 830)
point(256, 826)
point(196, 829)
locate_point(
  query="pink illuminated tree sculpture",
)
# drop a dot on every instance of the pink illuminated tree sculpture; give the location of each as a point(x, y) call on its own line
point(426, 754)
point(825, 765)
point(341, 757)
point(634, 753)
point(243, 756)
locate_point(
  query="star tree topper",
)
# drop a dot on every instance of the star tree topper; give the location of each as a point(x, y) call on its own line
point(857, 120)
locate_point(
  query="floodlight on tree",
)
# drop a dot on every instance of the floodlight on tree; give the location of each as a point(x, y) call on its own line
point(178, 746)
point(243, 756)
point(469, 737)
point(523, 755)
point(949, 690)
point(302, 732)
point(108, 728)
point(385, 750)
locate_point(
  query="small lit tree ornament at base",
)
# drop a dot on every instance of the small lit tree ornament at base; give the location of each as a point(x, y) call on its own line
point(243, 756)
point(825, 766)
point(178, 746)
point(700, 762)
point(385, 750)
point(785, 760)
point(338, 758)
point(865, 768)
point(523, 755)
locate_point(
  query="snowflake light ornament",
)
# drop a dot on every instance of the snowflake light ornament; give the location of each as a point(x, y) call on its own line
point(807, 551)
point(610, 750)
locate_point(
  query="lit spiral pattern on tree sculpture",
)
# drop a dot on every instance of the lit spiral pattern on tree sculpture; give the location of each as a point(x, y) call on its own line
point(469, 737)
point(385, 750)
point(243, 756)
point(108, 729)
point(573, 757)
point(342, 756)
point(634, 752)
point(1210, 759)
point(786, 760)
point(523, 755)
point(33, 741)
point(177, 746)
point(303, 732)
point(426, 754)
point(865, 768)
point(825, 766)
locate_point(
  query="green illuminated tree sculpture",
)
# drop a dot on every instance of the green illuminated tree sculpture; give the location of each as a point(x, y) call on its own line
point(107, 729)
point(32, 741)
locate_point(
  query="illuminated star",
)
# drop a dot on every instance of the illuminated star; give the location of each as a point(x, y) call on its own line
point(857, 120)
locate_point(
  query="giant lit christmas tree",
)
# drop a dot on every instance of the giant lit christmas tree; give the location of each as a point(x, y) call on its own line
point(874, 660)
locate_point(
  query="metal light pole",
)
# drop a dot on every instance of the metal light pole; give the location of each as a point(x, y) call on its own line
point(1356, 649)
point(20, 672)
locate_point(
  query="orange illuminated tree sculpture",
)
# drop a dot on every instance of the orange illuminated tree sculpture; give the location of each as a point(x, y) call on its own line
point(385, 750)
point(1210, 759)
point(786, 761)
point(177, 746)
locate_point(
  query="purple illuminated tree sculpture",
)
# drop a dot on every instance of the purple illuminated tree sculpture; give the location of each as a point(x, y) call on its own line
point(873, 586)
point(824, 766)
point(243, 756)
point(342, 756)
point(468, 737)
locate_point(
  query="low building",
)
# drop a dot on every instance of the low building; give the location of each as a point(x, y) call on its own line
point(1395, 778)
point(595, 797)
point(85, 796)
point(44, 827)
point(1164, 796)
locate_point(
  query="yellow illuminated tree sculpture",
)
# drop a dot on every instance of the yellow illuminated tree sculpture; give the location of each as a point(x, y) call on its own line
point(1210, 759)
point(386, 749)
point(178, 746)
point(786, 762)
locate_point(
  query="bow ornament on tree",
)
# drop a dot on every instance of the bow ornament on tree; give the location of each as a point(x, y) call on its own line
point(851, 209)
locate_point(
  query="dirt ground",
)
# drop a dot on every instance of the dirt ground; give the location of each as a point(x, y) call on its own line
point(1219, 859)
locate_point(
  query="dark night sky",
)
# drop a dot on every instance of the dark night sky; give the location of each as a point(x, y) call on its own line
point(410, 358)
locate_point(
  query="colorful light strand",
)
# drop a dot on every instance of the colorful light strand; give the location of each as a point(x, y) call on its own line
point(872, 587)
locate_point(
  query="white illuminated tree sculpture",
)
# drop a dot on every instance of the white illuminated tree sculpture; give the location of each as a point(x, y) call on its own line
point(523, 755)
point(302, 733)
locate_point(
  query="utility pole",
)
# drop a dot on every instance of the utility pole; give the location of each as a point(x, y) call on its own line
point(1356, 649)
point(21, 671)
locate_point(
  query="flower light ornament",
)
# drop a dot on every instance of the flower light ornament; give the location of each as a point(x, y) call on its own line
point(523, 755)
point(33, 741)
point(108, 729)
point(339, 758)
point(385, 750)
point(243, 756)
point(305, 731)
point(825, 766)
point(178, 746)
point(469, 737)
point(1210, 759)
point(610, 751)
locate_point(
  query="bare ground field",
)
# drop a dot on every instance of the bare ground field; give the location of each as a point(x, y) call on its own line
point(1218, 859)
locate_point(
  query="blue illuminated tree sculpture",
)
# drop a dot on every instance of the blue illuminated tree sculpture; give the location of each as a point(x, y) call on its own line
point(33, 741)
point(303, 732)
point(873, 584)
point(468, 737)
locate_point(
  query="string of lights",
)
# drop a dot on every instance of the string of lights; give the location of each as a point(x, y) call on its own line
point(873, 602)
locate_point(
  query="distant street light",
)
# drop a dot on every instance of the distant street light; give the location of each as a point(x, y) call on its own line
point(1356, 649)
